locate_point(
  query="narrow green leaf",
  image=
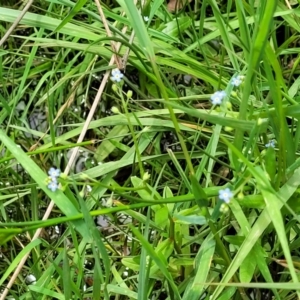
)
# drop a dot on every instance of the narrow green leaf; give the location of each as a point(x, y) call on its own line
point(37, 20)
point(66, 274)
point(202, 267)
point(106, 147)
point(138, 26)
point(46, 292)
point(200, 195)
point(158, 260)
point(18, 258)
point(270, 163)
point(75, 9)
point(7, 234)
point(174, 27)
point(247, 267)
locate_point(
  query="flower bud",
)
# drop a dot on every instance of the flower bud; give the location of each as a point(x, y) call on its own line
point(224, 208)
point(259, 121)
point(63, 176)
point(115, 110)
point(234, 94)
point(114, 87)
point(146, 176)
point(129, 94)
point(240, 196)
point(228, 105)
point(228, 129)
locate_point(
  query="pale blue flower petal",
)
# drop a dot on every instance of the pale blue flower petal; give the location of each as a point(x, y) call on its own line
point(116, 75)
point(54, 173)
point(53, 186)
point(270, 144)
point(225, 195)
point(236, 81)
point(217, 97)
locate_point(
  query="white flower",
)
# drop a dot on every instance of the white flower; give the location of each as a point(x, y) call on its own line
point(54, 173)
point(217, 97)
point(116, 75)
point(270, 144)
point(225, 195)
point(146, 18)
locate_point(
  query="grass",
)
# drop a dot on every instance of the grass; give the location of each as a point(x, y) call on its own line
point(138, 214)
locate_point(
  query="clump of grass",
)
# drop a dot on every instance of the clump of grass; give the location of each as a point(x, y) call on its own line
point(185, 185)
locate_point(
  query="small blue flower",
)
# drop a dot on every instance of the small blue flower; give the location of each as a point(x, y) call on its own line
point(53, 186)
point(236, 81)
point(217, 97)
point(225, 195)
point(270, 144)
point(54, 173)
point(146, 19)
point(116, 75)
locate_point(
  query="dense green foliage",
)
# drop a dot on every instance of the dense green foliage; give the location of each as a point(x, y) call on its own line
point(179, 190)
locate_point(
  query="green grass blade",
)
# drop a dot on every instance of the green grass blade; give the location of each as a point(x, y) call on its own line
point(75, 9)
point(202, 267)
point(158, 260)
point(40, 177)
point(18, 258)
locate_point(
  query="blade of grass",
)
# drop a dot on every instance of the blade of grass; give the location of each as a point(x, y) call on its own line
point(75, 9)
point(202, 267)
point(40, 177)
point(266, 15)
point(157, 259)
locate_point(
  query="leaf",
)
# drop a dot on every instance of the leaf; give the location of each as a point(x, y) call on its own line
point(158, 259)
point(79, 4)
point(247, 267)
point(164, 249)
point(202, 267)
point(132, 263)
point(193, 219)
point(175, 27)
point(200, 195)
point(161, 216)
point(36, 20)
point(18, 258)
point(270, 163)
point(107, 146)
point(7, 234)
